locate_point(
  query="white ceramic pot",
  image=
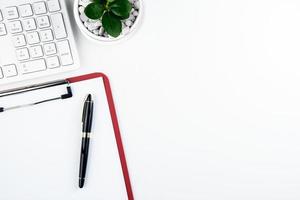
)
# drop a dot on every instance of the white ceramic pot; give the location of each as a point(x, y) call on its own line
point(100, 39)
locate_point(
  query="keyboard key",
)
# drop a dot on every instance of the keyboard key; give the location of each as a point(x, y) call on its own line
point(2, 30)
point(36, 51)
point(46, 36)
point(11, 13)
point(52, 62)
point(15, 27)
point(43, 22)
point(53, 5)
point(33, 66)
point(58, 26)
point(50, 49)
point(1, 74)
point(39, 8)
point(9, 70)
point(25, 10)
point(29, 24)
point(19, 40)
point(22, 54)
point(65, 53)
point(33, 38)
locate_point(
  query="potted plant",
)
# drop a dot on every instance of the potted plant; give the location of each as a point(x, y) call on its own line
point(107, 20)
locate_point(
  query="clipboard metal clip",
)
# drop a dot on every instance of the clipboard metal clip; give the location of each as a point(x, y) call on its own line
point(30, 88)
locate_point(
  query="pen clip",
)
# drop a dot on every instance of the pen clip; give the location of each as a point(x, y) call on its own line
point(84, 111)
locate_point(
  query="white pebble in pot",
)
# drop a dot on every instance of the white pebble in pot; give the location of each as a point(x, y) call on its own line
point(126, 30)
point(101, 31)
point(137, 5)
point(96, 32)
point(131, 17)
point(81, 9)
point(98, 23)
point(128, 23)
point(135, 13)
point(91, 27)
point(83, 17)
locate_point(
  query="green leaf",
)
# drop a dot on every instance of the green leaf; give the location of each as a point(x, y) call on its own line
point(112, 24)
point(121, 8)
point(94, 10)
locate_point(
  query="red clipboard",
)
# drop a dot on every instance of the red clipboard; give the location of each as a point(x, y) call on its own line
point(115, 123)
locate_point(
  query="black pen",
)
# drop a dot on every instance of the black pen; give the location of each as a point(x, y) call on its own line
point(87, 119)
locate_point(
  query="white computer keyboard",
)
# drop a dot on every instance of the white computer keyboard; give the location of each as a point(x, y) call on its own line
point(35, 39)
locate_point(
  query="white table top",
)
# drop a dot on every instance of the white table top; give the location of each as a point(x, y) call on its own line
point(207, 97)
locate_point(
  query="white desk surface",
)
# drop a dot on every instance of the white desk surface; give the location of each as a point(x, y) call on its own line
point(207, 93)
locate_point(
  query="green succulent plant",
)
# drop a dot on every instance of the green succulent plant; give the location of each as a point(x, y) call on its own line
point(110, 13)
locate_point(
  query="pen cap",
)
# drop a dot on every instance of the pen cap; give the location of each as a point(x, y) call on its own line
point(87, 118)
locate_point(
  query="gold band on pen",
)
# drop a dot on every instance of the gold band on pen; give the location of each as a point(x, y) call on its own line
point(86, 135)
